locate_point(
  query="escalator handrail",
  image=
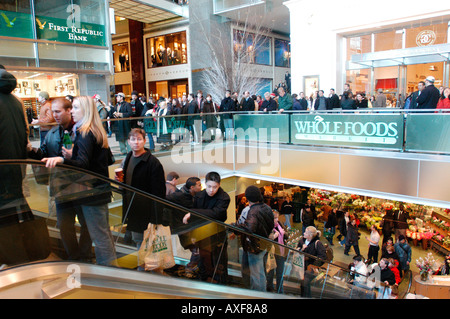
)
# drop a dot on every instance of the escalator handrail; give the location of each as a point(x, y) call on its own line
point(229, 227)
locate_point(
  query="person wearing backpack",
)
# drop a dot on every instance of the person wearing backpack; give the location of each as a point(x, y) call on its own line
point(311, 245)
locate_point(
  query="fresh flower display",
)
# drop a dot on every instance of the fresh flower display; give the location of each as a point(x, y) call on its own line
point(427, 265)
point(442, 224)
point(419, 233)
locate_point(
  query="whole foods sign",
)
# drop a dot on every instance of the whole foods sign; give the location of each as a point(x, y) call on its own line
point(373, 130)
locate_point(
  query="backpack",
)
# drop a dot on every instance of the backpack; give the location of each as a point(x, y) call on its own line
point(328, 250)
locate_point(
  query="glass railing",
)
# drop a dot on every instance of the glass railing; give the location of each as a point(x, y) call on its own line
point(66, 213)
point(387, 129)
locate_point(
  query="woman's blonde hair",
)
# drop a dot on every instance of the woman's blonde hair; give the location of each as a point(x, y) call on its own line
point(313, 231)
point(91, 121)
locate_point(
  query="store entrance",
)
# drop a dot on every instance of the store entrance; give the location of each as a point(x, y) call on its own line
point(172, 88)
point(397, 82)
point(418, 72)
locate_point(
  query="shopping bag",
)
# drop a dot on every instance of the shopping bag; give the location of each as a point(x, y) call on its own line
point(271, 263)
point(298, 266)
point(156, 249)
point(384, 293)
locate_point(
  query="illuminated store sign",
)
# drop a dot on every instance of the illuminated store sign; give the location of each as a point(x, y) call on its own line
point(60, 30)
point(19, 25)
point(349, 130)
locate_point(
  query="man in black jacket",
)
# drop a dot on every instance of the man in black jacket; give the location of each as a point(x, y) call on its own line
point(259, 221)
point(247, 103)
point(227, 105)
point(185, 197)
point(122, 127)
point(14, 209)
point(191, 109)
point(333, 100)
point(268, 104)
point(143, 171)
point(415, 95)
point(212, 202)
point(429, 97)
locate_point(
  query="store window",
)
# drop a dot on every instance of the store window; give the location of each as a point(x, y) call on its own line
point(121, 57)
point(251, 47)
point(390, 40)
point(387, 79)
point(419, 72)
point(359, 45)
point(359, 81)
point(282, 53)
point(165, 50)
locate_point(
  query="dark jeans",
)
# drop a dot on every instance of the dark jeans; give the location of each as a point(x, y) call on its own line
point(75, 250)
point(373, 253)
point(280, 260)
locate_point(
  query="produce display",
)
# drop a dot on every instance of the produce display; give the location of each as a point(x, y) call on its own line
point(425, 223)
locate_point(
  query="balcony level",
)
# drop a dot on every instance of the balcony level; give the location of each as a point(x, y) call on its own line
point(388, 154)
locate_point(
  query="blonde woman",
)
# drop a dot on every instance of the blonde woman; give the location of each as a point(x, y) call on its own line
point(90, 151)
point(311, 245)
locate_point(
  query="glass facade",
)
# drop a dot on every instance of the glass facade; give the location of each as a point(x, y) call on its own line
point(251, 48)
point(397, 75)
point(282, 53)
point(165, 50)
point(56, 25)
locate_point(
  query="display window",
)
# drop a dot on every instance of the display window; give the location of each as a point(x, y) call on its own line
point(282, 53)
point(121, 57)
point(359, 45)
point(30, 84)
point(251, 48)
point(165, 50)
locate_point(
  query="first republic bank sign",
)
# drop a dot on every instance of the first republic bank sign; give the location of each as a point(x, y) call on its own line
point(372, 130)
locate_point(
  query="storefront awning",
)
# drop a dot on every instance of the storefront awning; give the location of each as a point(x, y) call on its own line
point(419, 55)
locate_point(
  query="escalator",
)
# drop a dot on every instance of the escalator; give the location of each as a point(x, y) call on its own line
point(35, 264)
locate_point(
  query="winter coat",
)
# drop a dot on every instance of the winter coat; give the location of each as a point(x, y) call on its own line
point(259, 221)
point(85, 189)
point(315, 249)
point(148, 176)
point(352, 236)
point(208, 114)
point(122, 127)
point(227, 105)
point(270, 105)
point(403, 251)
point(213, 207)
point(14, 137)
point(429, 98)
point(285, 102)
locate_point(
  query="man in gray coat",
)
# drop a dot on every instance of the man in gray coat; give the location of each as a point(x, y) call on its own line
point(380, 100)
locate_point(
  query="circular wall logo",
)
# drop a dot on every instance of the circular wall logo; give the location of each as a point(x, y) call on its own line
point(426, 37)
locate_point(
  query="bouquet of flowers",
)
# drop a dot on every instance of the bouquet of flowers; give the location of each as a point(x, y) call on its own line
point(426, 265)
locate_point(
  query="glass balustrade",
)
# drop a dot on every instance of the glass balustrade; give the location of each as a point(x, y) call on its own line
point(65, 213)
point(415, 131)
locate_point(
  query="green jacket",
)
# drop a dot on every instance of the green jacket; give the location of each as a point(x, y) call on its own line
point(285, 102)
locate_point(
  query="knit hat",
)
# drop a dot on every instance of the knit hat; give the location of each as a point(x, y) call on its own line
point(430, 79)
point(253, 194)
point(96, 96)
point(401, 237)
